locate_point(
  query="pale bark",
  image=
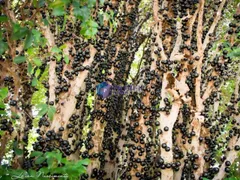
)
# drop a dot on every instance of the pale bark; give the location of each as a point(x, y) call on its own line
point(231, 156)
point(214, 24)
point(52, 65)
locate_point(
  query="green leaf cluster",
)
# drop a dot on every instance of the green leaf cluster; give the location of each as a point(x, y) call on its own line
point(56, 166)
point(3, 95)
point(46, 109)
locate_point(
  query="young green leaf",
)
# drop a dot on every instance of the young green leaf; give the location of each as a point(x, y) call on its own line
point(62, 47)
point(235, 53)
point(36, 153)
point(45, 21)
point(37, 61)
point(32, 173)
point(3, 18)
point(51, 112)
point(28, 40)
point(3, 47)
point(56, 50)
point(2, 112)
point(37, 35)
point(19, 59)
point(19, 32)
point(58, 11)
point(40, 160)
point(66, 59)
point(91, 3)
point(34, 82)
point(92, 23)
point(84, 162)
point(30, 69)
point(59, 57)
point(37, 73)
point(3, 92)
point(50, 162)
point(2, 105)
point(43, 109)
point(18, 151)
point(90, 32)
point(82, 13)
point(101, 2)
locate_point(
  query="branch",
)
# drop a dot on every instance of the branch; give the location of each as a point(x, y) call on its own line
point(199, 105)
point(200, 27)
point(68, 107)
point(232, 155)
point(178, 41)
point(236, 91)
point(52, 65)
point(191, 22)
point(155, 11)
point(214, 24)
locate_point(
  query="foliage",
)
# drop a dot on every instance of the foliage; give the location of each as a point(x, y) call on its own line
point(3, 95)
point(57, 166)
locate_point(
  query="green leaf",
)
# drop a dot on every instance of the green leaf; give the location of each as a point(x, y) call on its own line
point(40, 160)
point(84, 162)
point(34, 81)
point(37, 61)
point(37, 73)
point(82, 13)
point(19, 59)
point(31, 51)
point(59, 57)
point(55, 50)
point(101, 2)
point(235, 53)
point(36, 153)
point(90, 32)
point(45, 21)
point(64, 22)
point(3, 18)
point(66, 59)
point(3, 47)
point(30, 69)
point(3, 92)
point(50, 162)
point(36, 34)
point(43, 109)
point(91, 3)
point(19, 32)
point(41, 3)
point(100, 17)
point(58, 170)
point(18, 151)
point(2, 105)
point(18, 172)
point(58, 11)
point(64, 161)
point(62, 47)
point(51, 112)
point(58, 156)
point(3, 112)
point(73, 171)
point(89, 28)
point(28, 41)
point(32, 173)
point(57, 3)
point(44, 170)
point(92, 23)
